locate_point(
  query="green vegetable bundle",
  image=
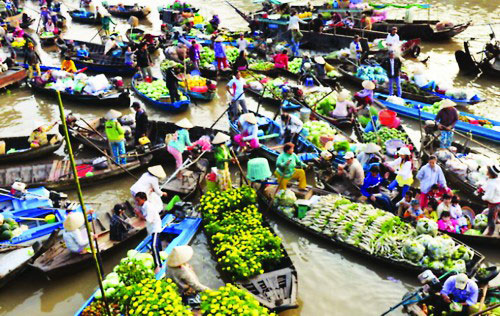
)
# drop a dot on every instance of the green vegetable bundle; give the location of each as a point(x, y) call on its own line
point(385, 134)
point(243, 246)
point(294, 65)
point(230, 300)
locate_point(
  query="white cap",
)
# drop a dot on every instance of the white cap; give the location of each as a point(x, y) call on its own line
point(349, 155)
point(404, 151)
point(461, 281)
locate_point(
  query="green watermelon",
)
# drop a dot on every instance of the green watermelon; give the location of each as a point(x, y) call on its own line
point(4, 227)
point(6, 235)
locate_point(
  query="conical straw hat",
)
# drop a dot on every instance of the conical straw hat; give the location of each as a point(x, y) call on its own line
point(220, 138)
point(367, 84)
point(112, 114)
point(157, 171)
point(249, 117)
point(179, 256)
point(184, 123)
point(73, 221)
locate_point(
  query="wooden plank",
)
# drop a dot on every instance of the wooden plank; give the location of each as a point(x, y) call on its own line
point(52, 171)
point(57, 172)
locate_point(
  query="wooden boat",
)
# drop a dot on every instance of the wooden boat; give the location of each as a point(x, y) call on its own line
point(285, 105)
point(14, 259)
point(58, 261)
point(349, 71)
point(461, 102)
point(57, 175)
point(270, 147)
point(175, 107)
point(413, 112)
point(99, 63)
point(424, 29)
point(276, 288)
point(488, 65)
point(178, 233)
point(368, 34)
point(12, 76)
point(111, 98)
point(333, 240)
point(329, 42)
point(207, 96)
point(93, 48)
point(84, 17)
point(23, 150)
point(136, 35)
point(139, 12)
point(191, 180)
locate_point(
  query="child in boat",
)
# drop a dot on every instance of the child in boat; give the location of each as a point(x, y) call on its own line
point(403, 205)
point(446, 223)
point(414, 212)
point(457, 215)
point(445, 205)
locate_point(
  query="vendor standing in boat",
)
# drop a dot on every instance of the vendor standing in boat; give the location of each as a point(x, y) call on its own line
point(429, 175)
point(38, 137)
point(33, 61)
point(290, 128)
point(492, 197)
point(403, 168)
point(249, 130)
point(182, 142)
point(352, 169)
point(222, 157)
point(141, 122)
point(371, 190)
point(72, 235)
point(355, 49)
point(149, 211)
point(392, 40)
point(116, 136)
point(286, 168)
point(220, 53)
point(392, 66)
point(236, 88)
point(172, 82)
point(294, 27)
point(182, 273)
point(446, 119)
point(242, 43)
point(144, 62)
point(149, 182)
point(106, 23)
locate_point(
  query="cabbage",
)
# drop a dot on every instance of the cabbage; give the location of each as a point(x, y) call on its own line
point(436, 265)
point(473, 232)
point(462, 252)
point(448, 244)
point(481, 222)
point(459, 266)
point(131, 253)
point(110, 292)
point(427, 226)
point(424, 239)
point(436, 249)
point(286, 198)
point(98, 294)
point(413, 250)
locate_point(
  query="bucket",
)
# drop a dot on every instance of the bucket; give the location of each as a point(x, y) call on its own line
point(387, 117)
point(258, 169)
point(305, 113)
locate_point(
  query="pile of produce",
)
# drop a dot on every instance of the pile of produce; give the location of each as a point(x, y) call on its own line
point(337, 54)
point(156, 90)
point(261, 65)
point(385, 134)
point(383, 234)
point(273, 88)
point(333, 74)
point(294, 65)
point(207, 57)
point(471, 120)
point(132, 289)
point(434, 108)
point(167, 63)
point(230, 300)
point(47, 35)
point(305, 15)
point(195, 83)
point(319, 133)
point(471, 168)
point(243, 246)
point(9, 228)
point(325, 104)
point(410, 87)
point(376, 74)
point(232, 53)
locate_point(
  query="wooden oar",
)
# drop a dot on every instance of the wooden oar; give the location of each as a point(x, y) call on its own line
point(239, 166)
point(486, 310)
point(93, 129)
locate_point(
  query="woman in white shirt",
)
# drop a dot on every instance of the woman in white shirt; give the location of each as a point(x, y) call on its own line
point(149, 182)
point(343, 105)
point(403, 168)
point(492, 197)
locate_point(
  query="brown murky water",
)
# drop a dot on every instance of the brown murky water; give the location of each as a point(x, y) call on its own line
point(331, 281)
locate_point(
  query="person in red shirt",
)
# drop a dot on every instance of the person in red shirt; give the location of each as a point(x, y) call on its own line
point(281, 60)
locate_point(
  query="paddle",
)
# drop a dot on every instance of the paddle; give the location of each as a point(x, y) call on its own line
point(227, 109)
point(239, 166)
point(98, 251)
point(93, 129)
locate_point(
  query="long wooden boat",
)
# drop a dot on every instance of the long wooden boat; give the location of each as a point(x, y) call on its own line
point(57, 175)
point(413, 112)
point(84, 17)
point(462, 102)
point(130, 10)
point(14, 260)
point(276, 288)
point(180, 234)
point(424, 29)
point(488, 66)
point(99, 63)
point(334, 240)
point(283, 104)
point(23, 150)
point(12, 76)
point(175, 107)
point(348, 72)
point(59, 261)
point(270, 147)
point(329, 42)
point(111, 98)
point(368, 34)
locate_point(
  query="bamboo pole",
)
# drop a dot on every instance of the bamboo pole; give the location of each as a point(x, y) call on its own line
point(82, 203)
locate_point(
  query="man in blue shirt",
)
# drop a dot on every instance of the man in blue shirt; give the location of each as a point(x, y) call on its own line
point(371, 190)
point(429, 175)
point(462, 290)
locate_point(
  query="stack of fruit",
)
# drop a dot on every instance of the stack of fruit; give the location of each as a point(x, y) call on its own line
point(294, 65)
point(166, 64)
point(195, 83)
point(385, 134)
point(156, 90)
point(305, 15)
point(261, 65)
point(9, 228)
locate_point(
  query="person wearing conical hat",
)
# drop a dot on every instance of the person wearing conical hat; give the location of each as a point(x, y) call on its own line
point(222, 157)
point(181, 272)
point(181, 142)
point(403, 168)
point(343, 106)
point(446, 119)
point(369, 156)
point(116, 136)
point(106, 22)
point(38, 137)
point(220, 53)
point(149, 182)
point(72, 235)
point(236, 88)
point(248, 132)
point(365, 96)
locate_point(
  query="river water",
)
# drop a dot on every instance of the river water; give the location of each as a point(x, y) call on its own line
point(331, 281)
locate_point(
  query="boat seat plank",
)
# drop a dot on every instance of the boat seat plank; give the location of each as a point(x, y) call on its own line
point(53, 169)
